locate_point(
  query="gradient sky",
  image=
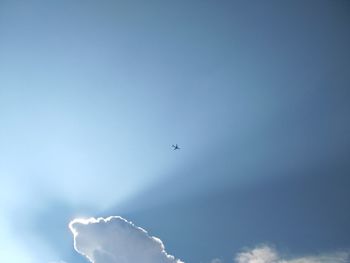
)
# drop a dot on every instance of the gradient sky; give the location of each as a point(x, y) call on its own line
point(256, 94)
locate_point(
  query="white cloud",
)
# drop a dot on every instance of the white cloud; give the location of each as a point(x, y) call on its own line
point(266, 254)
point(262, 254)
point(115, 240)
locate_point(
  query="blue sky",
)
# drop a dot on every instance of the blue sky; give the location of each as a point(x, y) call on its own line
point(256, 94)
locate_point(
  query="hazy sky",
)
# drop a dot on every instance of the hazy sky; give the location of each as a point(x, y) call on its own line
point(256, 93)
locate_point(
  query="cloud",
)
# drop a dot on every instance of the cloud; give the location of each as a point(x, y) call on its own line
point(262, 254)
point(266, 254)
point(115, 240)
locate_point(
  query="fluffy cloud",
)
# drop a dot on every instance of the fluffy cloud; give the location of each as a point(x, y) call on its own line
point(266, 254)
point(115, 240)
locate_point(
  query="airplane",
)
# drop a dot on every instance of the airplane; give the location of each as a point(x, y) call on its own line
point(175, 147)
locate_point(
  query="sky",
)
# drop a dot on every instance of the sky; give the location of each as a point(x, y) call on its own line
point(256, 94)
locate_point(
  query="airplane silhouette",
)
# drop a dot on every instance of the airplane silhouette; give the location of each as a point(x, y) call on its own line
point(175, 147)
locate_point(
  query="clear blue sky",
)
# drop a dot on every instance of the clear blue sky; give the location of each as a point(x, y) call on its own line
point(256, 94)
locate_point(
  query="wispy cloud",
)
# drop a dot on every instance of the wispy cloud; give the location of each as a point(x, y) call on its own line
point(266, 254)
